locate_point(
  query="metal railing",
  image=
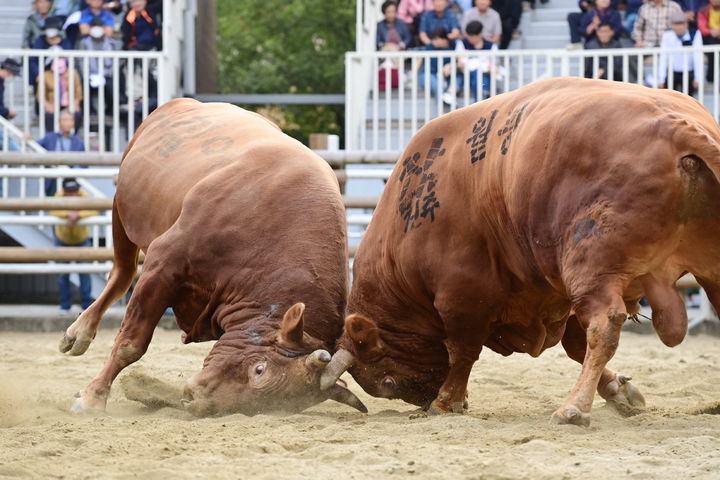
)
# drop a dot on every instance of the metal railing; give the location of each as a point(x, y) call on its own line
point(386, 118)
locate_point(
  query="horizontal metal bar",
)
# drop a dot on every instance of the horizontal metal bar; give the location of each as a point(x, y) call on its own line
point(274, 98)
point(59, 172)
point(51, 220)
point(28, 52)
point(53, 268)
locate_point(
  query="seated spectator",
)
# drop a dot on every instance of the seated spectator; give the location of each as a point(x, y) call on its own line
point(604, 39)
point(475, 65)
point(574, 19)
point(602, 12)
point(392, 33)
point(510, 12)
point(490, 19)
point(140, 30)
point(8, 68)
point(410, 12)
point(428, 73)
point(62, 90)
point(708, 20)
point(35, 22)
point(691, 9)
point(95, 10)
point(53, 38)
point(100, 76)
point(64, 140)
point(631, 14)
point(680, 36)
point(439, 16)
point(653, 19)
point(63, 8)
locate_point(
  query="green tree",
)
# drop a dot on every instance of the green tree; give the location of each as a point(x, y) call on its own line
point(287, 46)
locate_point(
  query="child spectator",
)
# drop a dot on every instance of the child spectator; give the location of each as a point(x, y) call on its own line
point(62, 90)
point(490, 19)
point(439, 16)
point(680, 36)
point(410, 12)
point(95, 10)
point(140, 30)
point(475, 65)
point(653, 19)
point(602, 12)
point(392, 33)
point(604, 39)
point(709, 25)
point(35, 22)
point(428, 74)
point(100, 76)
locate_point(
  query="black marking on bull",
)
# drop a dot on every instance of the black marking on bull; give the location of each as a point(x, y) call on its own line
point(510, 125)
point(216, 145)
point(419, 201)
point(478, 140)
point(168, 144)
point(583, 229)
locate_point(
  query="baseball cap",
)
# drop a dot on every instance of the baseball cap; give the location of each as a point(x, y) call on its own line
point(70, 184)
point(11, 65)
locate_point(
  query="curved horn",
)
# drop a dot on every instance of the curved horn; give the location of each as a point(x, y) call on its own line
point(341, 361)
point(318, 359)
point(343, 395)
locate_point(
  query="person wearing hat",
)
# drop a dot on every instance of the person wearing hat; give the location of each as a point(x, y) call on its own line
point(8, 68)
point(100, 71)
point(53, 38)
point(680, 36)
point(72, 234)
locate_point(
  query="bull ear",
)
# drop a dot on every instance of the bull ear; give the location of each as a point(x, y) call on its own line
point(291, 328)
point(364, 333)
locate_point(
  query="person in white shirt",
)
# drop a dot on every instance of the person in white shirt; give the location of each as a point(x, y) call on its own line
point(678, 36)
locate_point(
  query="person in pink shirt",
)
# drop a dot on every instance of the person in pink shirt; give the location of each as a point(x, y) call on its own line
point(409, 11)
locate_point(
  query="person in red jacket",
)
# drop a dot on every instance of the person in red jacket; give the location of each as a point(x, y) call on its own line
point(708, 20)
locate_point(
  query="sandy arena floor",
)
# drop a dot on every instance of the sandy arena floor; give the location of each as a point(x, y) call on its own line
point(505, 435)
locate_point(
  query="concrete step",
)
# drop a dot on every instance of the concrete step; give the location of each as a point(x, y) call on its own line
point(551, 14)
point(10, 40)
point(570, 4)
point(546, 28)
point(541, 42)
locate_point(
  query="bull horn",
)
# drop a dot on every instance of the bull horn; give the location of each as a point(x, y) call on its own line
point(318, 359)
point(340, 363)
point(343, 395)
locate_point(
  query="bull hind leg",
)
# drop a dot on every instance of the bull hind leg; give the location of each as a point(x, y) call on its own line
point(602, 315)
point(80, 334)
point(616, 389)
point(151, 297)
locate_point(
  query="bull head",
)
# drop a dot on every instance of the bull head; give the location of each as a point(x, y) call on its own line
point(255, 373)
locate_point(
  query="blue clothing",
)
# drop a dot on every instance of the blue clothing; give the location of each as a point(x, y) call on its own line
point(690, 5)
point(86, 16)
point(429, 71)
point(51, 143)
point(434, 61)
point(487, 45)
point(64, 282)
point(140, 31)
point(610, 15)
point(383, 33)
point(632, 6)
point(41, 43)
point(3, 109)
point(429, 21)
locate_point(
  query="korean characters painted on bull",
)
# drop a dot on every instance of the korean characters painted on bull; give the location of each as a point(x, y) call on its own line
point(244, 235)
point(532, 218)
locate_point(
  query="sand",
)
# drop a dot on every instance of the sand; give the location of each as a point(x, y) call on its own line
point(505, 434)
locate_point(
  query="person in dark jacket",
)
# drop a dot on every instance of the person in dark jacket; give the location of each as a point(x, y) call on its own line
point(392, 33)
point(64, 140)
point(53, 37)
point(604, 39)
point(140, 30)
point(602, 12)
point(8, 68)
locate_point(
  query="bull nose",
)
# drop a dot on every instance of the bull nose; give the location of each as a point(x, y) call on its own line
point(318, 359)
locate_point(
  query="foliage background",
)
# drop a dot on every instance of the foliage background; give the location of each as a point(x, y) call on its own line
point(287, 46)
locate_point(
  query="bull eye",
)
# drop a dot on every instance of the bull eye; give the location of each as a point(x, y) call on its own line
point(388, 382)
point(259, 369)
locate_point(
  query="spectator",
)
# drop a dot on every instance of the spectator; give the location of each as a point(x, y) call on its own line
point(410, 12)
point(631, 14)
point(99, 70)
point(440, 16)
point(95, 9)
point(64, 140)
point(510, 12)
point(681, 36)
point(8, 68)
point(53, 38)
point(691, 9)
point(62, 90)
point(392, 34)
point(604, 39)
point(428, 74)
point(709, 26)
point(35, 22)
point(490, 19)
point(473, 40)
point(63, 8)
point(574, 19)
point(140, 30)
point(602, 12)
point(653, 19)
point(73, 235)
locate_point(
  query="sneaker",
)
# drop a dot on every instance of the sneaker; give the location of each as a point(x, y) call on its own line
point(448, 98)
point(64, 312)
point(574, 46)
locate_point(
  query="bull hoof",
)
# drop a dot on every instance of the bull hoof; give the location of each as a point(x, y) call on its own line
point(436, 408)
point(74, 346)
point(570, 415)
point(83, 404)
point(623, 396)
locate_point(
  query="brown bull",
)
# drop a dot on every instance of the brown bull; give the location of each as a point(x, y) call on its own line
point(245, 238)
point(534, 217)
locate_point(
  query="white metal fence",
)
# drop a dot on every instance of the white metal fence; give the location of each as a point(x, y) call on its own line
point(386, 118)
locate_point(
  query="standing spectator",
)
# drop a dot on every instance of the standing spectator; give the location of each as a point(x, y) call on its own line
point(653, 19)
point(62, 90)
point(428, 74)
point(100, 71)
point(510, 12)
point(410, 12)
point(8, 68)
point(64, 140)
point(392, 33)
point(140, 30)
point(604, 39)
point(95, 9)
point(709, 26)
point(73, 235)
point(35, 22)
point(681, 36)
point(53, 38)
point(440, 16)
point(602, 12)
point(574, 19)
point(490, 19)
point(473, 40)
